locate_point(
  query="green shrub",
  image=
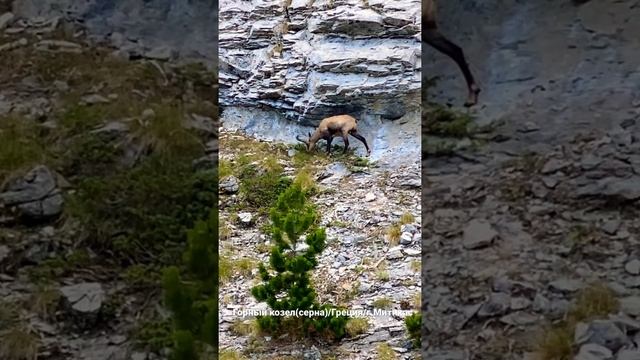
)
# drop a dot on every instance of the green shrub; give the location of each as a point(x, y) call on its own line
point(261, 188)
point(192, 296)
point(413, 323)
point(290, 287)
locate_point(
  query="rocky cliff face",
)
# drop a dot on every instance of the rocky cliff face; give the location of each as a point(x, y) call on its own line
point(295, 62)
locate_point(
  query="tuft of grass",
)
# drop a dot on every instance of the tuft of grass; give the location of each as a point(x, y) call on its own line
point(227, 354)
point(357, 326)
point(244, 266)
point(445, 122)
point(44, 302)
point(225, 268)
point(305, 179)
point(166, 132)
point(19, 344)
point(261, 191)
point(385, 352)
point(393, 234)
point(416, 265)
point(263, 248)
point(407, 218)
point(417, 301)
point(244, 327)
point(142, 276)
point(382, 275)
point(557, 343)
point(593, 302)
point(9, 315)
point(224, 169)
point(21, 147)
point(154, 335)
point(382, 303)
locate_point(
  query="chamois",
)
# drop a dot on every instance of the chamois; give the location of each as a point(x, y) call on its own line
point(339, 125)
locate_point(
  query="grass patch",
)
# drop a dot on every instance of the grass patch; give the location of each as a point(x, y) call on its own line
point(19, 343)
point(382, 275)
point(154, 334)
point(593, 302)
point(142, 277)
point(224, 169)
point(225, 268)
point(9, 315)
point(385, 352)
point(407, 218)
point(415, 265)
point(382, 303)
point(357, 326)
point(244, 327)
point(142, 215)
point(244, 266)
point(227, 354)
point(165, 132)
point(393, 234)
point(22, 147)
point(44, 302)
point(445, 122)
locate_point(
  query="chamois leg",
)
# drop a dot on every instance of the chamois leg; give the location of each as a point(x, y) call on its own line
point(345, 137)
point(329, 139)
point(355, 134)
point(434, 38)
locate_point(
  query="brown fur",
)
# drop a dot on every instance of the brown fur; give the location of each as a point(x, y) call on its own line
point(339, 125)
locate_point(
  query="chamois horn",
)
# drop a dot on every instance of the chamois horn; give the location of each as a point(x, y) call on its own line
point(302, 140)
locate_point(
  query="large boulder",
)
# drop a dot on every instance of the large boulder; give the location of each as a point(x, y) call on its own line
point(34, 196)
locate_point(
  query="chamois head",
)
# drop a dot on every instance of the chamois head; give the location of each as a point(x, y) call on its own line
point(307, 142)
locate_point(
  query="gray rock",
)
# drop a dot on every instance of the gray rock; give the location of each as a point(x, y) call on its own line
point(593, 352)
point(554, 165)
point(630, 305)
point(229, 185)
point(447, 355)
point(611, 226)
point(406, 238)
point(602, 332)
point(394, 254)
point(35, 185)
point(161, 53)
point(633, 267)
point(478, 234)
point(312, 354)
point(497, 304)
point(4, 253)
point(520, 303)
point(626, 354)
point(5, 20)
point(93, 99)
point(519, 318)
point(612, 187)
point(84, 298)
point(246, 218)
point(34, 195)
point(566, 285)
